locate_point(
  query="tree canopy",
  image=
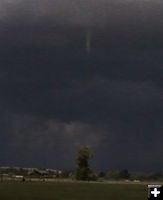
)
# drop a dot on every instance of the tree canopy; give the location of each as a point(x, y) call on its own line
point(83, 171)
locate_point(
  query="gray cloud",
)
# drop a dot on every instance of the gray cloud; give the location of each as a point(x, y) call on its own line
point(40, 141)
point(85, 13)
point(57, 23)
point(55, 96)
point(33, 141)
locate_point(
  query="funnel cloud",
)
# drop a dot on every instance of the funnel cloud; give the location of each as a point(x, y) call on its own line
point(88, 42)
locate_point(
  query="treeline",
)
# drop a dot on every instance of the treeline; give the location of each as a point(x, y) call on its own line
point(130, 176)
point(82, 172)
point(121, 175)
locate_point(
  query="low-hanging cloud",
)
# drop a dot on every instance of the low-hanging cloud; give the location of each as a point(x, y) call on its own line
point(79, 12)
point(39, 141)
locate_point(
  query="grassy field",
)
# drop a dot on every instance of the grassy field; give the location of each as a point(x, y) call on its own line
point(71, 191)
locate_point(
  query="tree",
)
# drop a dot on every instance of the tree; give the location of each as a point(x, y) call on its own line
point(124, 174)
point(101, 174)
point(83, 171)
point(118, 175)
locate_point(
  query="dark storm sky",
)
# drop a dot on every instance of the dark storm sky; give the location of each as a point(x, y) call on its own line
point(56, 94)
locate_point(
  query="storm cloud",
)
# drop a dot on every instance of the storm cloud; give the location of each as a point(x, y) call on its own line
point(56, 95)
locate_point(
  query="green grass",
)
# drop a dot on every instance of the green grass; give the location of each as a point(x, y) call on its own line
point(71, 191)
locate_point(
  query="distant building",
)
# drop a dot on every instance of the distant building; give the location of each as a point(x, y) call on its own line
point(38, 173)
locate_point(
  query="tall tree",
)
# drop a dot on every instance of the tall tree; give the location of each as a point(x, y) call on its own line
point(83, 171)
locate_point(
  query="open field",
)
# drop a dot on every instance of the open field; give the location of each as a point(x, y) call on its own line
point(71, 191)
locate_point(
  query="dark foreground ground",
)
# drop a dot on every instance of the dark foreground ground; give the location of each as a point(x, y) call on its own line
point(71, 191)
